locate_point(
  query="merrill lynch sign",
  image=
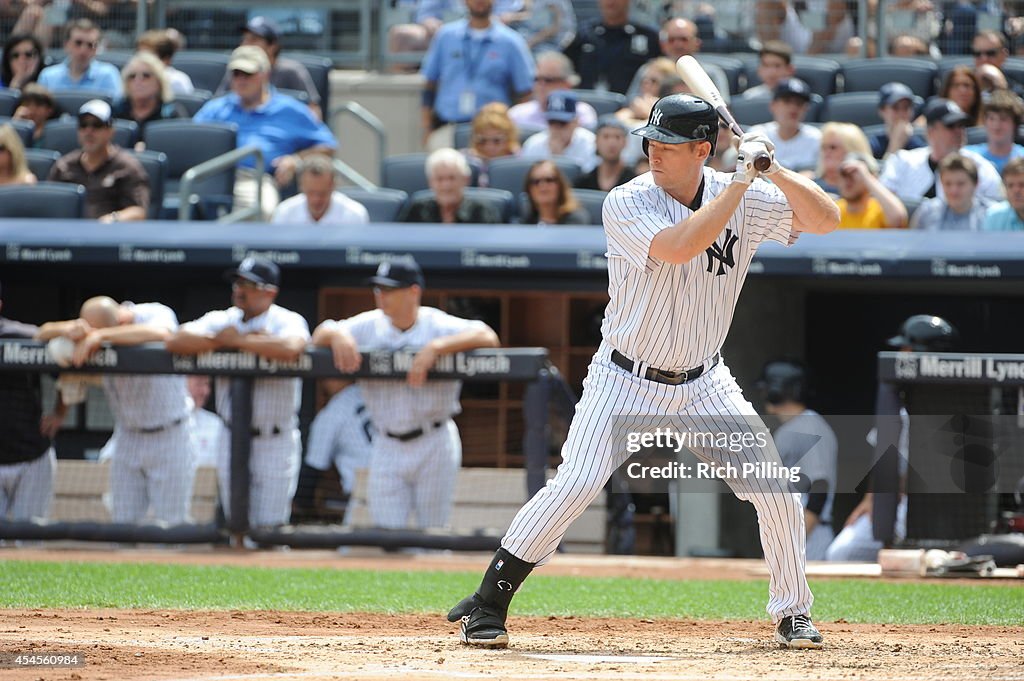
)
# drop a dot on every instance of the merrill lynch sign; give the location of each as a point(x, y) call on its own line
point(933, 366)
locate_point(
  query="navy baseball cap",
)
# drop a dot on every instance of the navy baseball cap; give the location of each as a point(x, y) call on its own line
point(612, 121)
point(256, 270)
point(792, 87)
point(263, 27)
point(561, 106)
point(397, 274)
point(943, 111)
point(890, 93)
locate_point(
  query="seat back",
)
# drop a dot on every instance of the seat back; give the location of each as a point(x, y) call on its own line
point(735, 69)
point(62, 134)
point(319, 71)
point(867, 75)
point(9, 101)
point(821, 74)
point(756, 110)
point(859, 108)
point(40, 161)
point(603, 102)
point(155, 165)
point(42, 200)
point(70, 101)
point(977, 135)
point(206, 69)
point(593, 201)
point(503, 201)
point(404, 171)
point(193, 101)
point(187, 144)
point(25, 129)
point(119, 58)
point(509, 173)
point(383, 205)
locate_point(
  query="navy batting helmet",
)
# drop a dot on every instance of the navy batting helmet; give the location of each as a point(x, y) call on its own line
point(680, 118)
point(783, 381)
point(926, 333)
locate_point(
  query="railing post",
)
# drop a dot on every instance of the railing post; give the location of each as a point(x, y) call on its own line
point(241, 453)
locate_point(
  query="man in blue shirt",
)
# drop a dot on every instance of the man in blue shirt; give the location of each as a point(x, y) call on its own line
point(1008, 216)
point(80, 69)
point(1001, 116)
point(473, 62)
point(283, 128)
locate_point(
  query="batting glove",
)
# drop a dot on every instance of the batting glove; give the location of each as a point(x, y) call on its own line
point(761, 138)
point(745, 170)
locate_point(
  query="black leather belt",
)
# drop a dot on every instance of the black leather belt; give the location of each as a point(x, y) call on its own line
point(159, 429)
point(256, 432)
point(413, 434)
point(662, 376)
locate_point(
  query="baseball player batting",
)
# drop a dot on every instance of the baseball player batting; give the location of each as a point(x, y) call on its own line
point(680, 241)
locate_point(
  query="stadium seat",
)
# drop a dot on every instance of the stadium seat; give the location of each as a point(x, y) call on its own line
point(319, 71)
point(509, 173)
point(300, 95)
point(603, 102)
point(1013, 68)
point(9, 101)
point(155, 164)
point(859, 108)
point(40, 161)
point(592, 200)
point(383, 205)
point(25, 129)
point(62, 134)
point(116, 57)
point(404, 171)
point(206, 69)
point(735, 69)
point(755, 110)
point(867, 75)
point(948, 62)
point(70, 101)
point(976, 135)
point(193, 101)
point(42, 200)
point(819, 73)
point(503, 201)
point(188, 144)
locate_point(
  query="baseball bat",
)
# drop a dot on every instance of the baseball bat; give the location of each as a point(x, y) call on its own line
point(697, 79)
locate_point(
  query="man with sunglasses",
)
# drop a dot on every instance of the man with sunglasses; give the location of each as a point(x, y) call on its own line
point(564, 137)
point(554, 72)
point(989, 47)
point(116, 184)
point(80, 69)
point(256, 324)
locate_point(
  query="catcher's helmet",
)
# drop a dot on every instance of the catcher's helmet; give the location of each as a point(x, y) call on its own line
point(783, 381)
point(926, 333)
point(680, 118)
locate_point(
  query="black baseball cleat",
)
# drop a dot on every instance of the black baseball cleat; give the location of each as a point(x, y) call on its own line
point(797, 631)
point(481, 624)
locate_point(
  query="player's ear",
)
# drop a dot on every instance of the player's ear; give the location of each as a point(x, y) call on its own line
point(703, 150)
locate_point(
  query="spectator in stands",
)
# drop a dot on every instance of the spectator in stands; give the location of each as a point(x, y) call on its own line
point(554, 72)
point(284, 129)
point(564, 136)
point(906, 45)
point(897, 106)
point(28, 462)
point(22, 61)
point(774, 64)
point(651, 77)
point(608, 50)
point(989, 47)
point(781, 20)
point(911, 173)
point(160, 43)
point(1008, 215)
point(960, 208)
point(545, 24)
point(285, 74)
point(838, 140)
point(679, 37)
point(472, 62)
point(550, 197)
point(796, 145)
point(1002, 114)
point(990, 79)
point(961, 86)
point(317, 201)
point(147, 92)
point(36, 104)
point(13, 168)
point(864, 202)
point(209, 434)
point(116, 185)
point(612, 170)
point(448, 174)
point(493, 135)
point(80, 68)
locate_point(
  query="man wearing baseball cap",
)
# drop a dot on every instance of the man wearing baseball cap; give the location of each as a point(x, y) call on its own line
point(611, 171)
point(116, 184)
point(564, 136)
point(256, 324)
point(796, 145)
point(911, 173)
point(283, 129)
point(897, 107)
point(417, 452)
point(285, 73)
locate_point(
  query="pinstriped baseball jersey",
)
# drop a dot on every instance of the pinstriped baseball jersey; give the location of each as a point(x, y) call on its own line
point(675, 317)
point(275, 401)
point(148, 401)
point(341, 434)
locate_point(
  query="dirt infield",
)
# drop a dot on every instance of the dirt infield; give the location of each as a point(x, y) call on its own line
point(185, 645)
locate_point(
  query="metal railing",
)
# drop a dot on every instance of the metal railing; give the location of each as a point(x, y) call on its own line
point(219, 164)
point(370, 120)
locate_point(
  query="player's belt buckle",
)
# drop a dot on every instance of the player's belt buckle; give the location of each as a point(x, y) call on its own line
point(413, 434)
point(159, 429)
point(660, 375)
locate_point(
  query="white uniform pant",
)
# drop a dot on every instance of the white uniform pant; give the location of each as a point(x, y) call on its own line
point(857, 541)
point(273, 476)
point(152, 473)
point(26, 488)
point(591, 453)
point(414, 477)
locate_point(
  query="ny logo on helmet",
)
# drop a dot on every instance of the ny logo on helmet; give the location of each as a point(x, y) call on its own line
point(656, 116)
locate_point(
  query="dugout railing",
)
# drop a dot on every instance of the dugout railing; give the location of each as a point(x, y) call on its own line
point(528, 365)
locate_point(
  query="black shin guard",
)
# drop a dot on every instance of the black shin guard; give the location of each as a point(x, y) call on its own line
point(504, 576)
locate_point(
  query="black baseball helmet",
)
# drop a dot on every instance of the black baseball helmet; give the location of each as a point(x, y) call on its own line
point(926, 333)
point(680, 118)
point(783, 380)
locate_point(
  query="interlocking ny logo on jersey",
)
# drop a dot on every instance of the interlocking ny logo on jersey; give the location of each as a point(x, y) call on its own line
point(723, 254)
point(656, 117)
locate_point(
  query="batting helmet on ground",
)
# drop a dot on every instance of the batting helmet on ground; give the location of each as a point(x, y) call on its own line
point(926, 333)
point(680, 118)
point(783, 380)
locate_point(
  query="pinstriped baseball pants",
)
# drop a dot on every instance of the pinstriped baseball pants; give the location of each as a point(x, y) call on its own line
point(26, 488)
point(592, 452)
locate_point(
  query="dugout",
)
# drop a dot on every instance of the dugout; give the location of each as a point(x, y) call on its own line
point(832, 300)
